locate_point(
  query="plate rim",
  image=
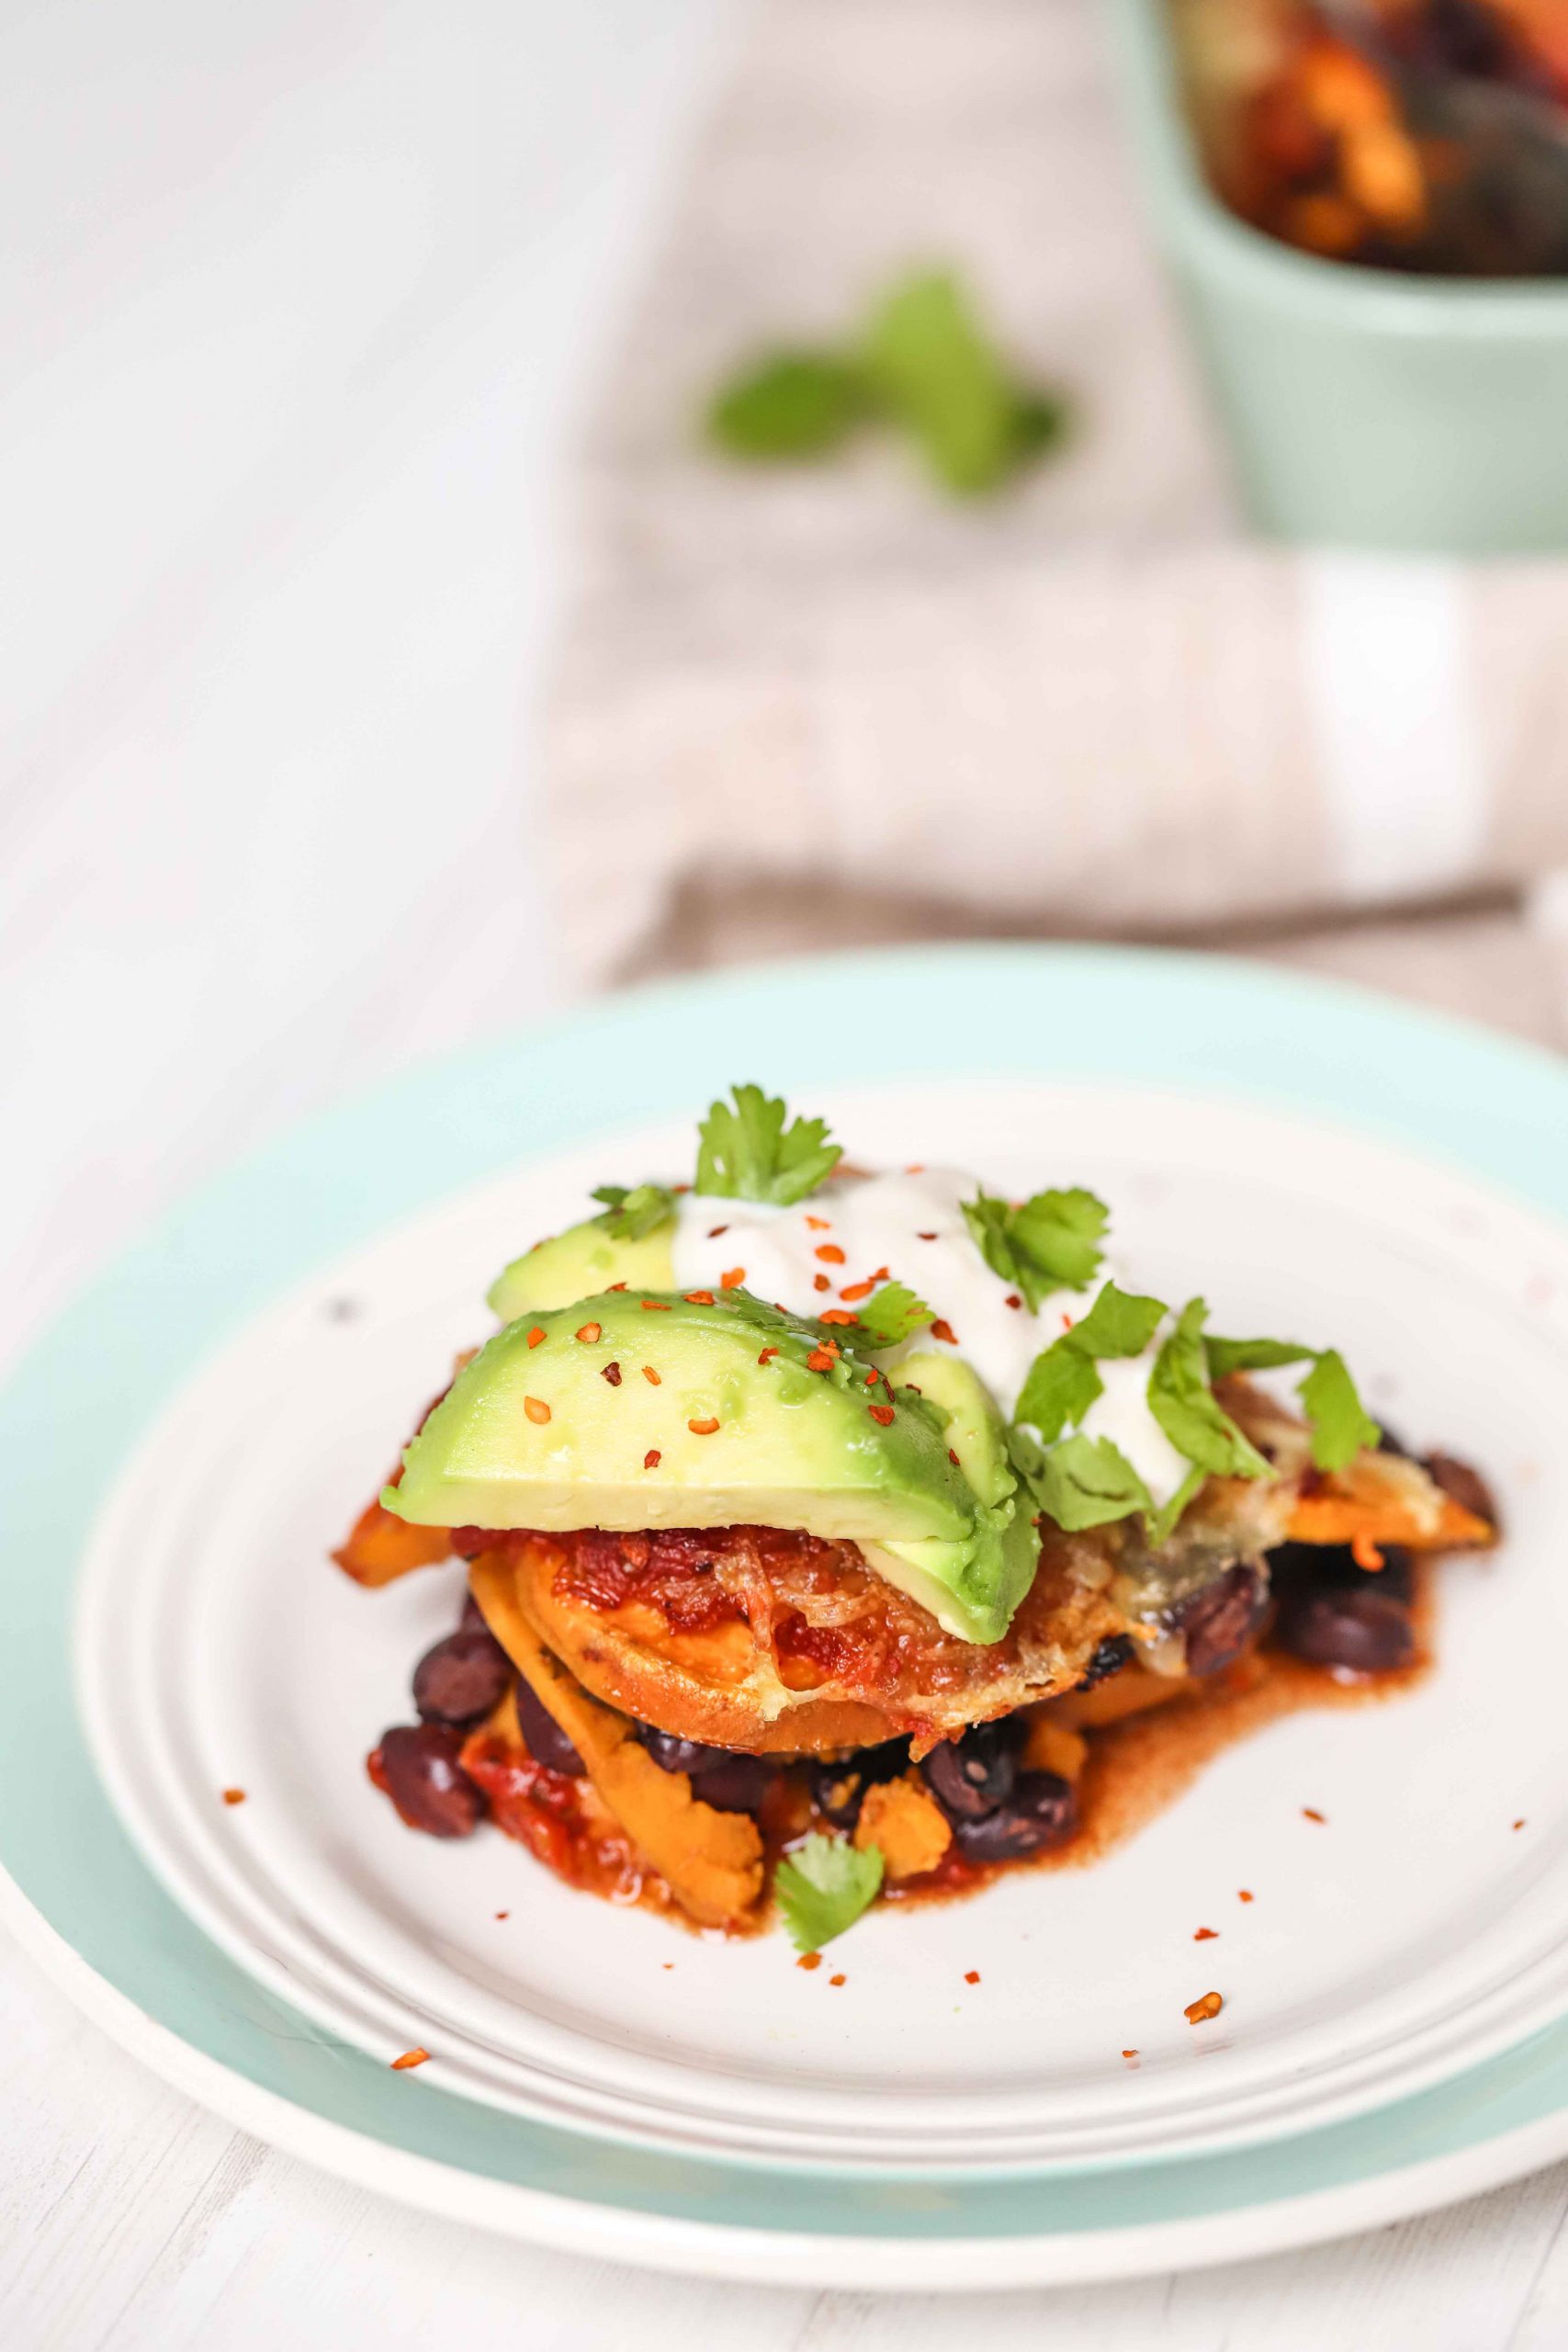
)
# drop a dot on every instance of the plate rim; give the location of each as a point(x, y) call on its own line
point(1118, 999)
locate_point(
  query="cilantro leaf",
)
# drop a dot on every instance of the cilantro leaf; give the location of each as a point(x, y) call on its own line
point(788, 404)
point(1253, 1355)
point(1088, 1481)
point(748, 1154)
point(824, 1886)
point(1119, 1323)
point(630, 1215)
point(891, 1314)
point(1341, 1425)
point(1062, 1383)
point(1163, 1522)
point(1062, 1386)
point(1051, 1243)
point(1187, 1409)
point(930, 360)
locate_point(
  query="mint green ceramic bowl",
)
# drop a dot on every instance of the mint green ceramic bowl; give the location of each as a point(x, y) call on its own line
point(1362, 407)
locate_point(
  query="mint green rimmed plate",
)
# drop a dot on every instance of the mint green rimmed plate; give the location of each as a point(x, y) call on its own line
point(1478, 1129)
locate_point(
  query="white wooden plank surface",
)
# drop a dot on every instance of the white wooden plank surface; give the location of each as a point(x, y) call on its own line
point(296, 304)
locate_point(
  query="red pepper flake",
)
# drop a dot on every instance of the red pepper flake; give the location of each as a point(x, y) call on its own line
point(873, 1376)
point(504, 1915)
point(612, 1372)
point(829, 1253)
point(767, 1355)
point(837, 1315)
point(1245, 1894)
point(1311, 1812)
point(536, 1410)
point(536, 1335)
point(809, 1960)
point(1012, 1299)
point(953, 1459)
point(1204, 1935)
point(651, 1376)
point(652, 1458)
point(1518, 1825)
point(926, 1237)
point(858, 1290)
point(821, 1360)
point(916, 1168)
point(733, 1279)
point(589, 1332)
point(409, 2058)
point(819, 1224)
point(705, 1428)
point(1364, 1552)
point(656, 1306)
point(1066, 1322)
point(698, 1297)
point(971, 1977)
point(837, 1980)
point(1208, 2005)
point(666, 1963)
point(820, 1281)
point(941, 1330)
point(1129, 2053)
point(617, 1285)
point(237, 1797)
point(714, 1232)
point(882, 1414)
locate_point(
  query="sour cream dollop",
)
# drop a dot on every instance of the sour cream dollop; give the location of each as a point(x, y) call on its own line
point(909, 1226)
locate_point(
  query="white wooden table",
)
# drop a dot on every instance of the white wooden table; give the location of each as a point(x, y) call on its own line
point(296, 305)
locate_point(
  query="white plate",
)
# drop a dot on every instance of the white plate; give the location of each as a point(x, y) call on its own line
point(1408, 1936)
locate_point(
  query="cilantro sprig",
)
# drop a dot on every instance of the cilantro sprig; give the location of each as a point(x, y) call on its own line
point(745, 1151)
point(1050, 1242)
point(890, 1314)
point(923, 363)
point(633, 1212)
point(823, 1886)
point(1341, 1425)
point(1080, 1481)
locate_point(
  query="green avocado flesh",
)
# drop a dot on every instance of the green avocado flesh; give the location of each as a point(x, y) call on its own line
point(972, 1586)
point(794, 1447)
point(579, 1263)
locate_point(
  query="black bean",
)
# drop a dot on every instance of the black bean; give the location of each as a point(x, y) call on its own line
point(738, 1785)
point(547, 1744)
point(673, 1754)
point(969, 1775)
point(1041, 1811)
point(1466, 1486)
point(1318, 1566)
point(425, 1780)
point(839, 1785)
point(1109, 1658)
point(1220, 1619)
point(462, 1678)
point(1367, 1632)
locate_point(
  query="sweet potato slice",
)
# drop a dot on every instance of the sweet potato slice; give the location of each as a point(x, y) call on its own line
point(1383, 1498)
point(906, 1823)
point(712, 1861)
point(381, 1547)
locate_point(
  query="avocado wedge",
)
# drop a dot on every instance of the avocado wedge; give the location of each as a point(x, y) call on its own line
point(754, 1417)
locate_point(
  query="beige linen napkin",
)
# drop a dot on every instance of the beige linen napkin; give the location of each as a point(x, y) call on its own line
point(822, 704)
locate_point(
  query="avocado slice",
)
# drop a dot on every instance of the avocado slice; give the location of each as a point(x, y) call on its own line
point(580, 1263)
point(753, 1419)
point(972, 1586)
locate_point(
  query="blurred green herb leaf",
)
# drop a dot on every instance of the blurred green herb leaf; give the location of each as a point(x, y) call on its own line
point(790, 404)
